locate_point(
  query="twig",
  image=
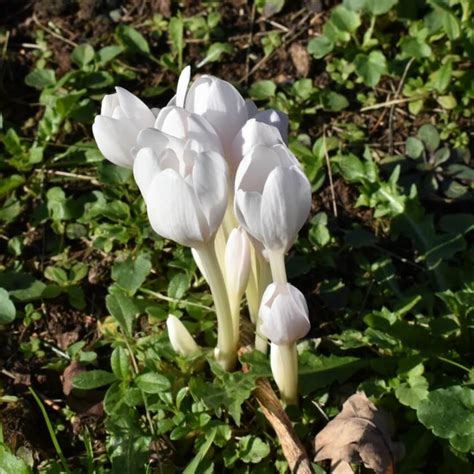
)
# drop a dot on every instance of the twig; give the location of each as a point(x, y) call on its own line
point(160, 296)
point(390, 103)
point(392, 108)
point(247, 57)
point(331, 183)
point(53, 33)
point(67, 174)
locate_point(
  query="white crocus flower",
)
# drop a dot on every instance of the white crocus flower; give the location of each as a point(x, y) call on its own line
point(272, 196)
point(284, 319)
point(185, 190)
point(181, 341)
point(115, 130)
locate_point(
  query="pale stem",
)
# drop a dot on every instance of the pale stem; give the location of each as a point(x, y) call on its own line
point(230, 221)
point(235, 311)
point(284, 362)
point(220, 244)
point(264, 279)
point(226, 353)
point(277, 265)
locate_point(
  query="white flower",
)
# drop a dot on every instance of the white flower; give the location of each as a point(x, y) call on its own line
point(220, 104)
point(237, 263)
point(283, 314)
point(272, 196)
point(180, 339)
point(116, 128)
point(184, 188)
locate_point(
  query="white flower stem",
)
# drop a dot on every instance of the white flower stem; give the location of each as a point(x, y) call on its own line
point(284, 362)
point(226, 353)
point(235, 311)
point(277, 265)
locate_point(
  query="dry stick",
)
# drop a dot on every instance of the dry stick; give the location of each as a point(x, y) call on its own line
point(390, 103)
point(67, 174)
point(292, 447)
point(392, 108)
point(331, 183)
point(53, 33)
point(249, 46)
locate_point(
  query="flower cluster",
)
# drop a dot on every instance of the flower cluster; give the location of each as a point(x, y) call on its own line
point(217, 176)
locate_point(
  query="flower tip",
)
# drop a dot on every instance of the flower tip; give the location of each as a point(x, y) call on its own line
point(180, 339)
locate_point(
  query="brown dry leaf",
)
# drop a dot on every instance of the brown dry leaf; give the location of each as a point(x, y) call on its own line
point(300, 57)
point(360, 434)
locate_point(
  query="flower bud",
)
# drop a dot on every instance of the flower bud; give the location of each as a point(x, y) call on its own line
point(180, 339)
point(283, 314)
point(237, 262)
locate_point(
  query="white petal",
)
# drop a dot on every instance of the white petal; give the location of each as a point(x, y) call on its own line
point(145, 167)
point(247, 206)
point(237, 262)
point(115, 139)
point(173, 211)
point(158, 140)
point(182, 88)
point(252, 109)
point(134, 108)
point(283, 314)
point(252, 133)
point(254, 169)
point(211, 187)
point(180, 339)
point(286, 202)
point(275, 118)
point(220, 104)
point(108, 105)
point(287, 159)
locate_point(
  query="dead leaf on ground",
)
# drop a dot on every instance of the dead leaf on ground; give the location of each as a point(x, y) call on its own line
point(360, 434)
point(300, 57)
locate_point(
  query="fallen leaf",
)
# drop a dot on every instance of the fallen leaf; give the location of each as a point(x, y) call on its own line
point(360, 434)
point(300, 57)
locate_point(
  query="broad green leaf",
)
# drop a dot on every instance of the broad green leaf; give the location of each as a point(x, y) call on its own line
point(253, 449)
point(123, 310)
point(415, 47)
point(41, 78)
point(448, 102)
point(333, 101)
point(379, 7)
point(7, 308)
point(320, 46)
point(192, 467)
point(214, 53)
point(22, 286)
point(412, 392)
point(83, 54)
point(131, 273)
point(449, 413)
point(269, 7)
point(120, 363)
point(371, 67)
point(450, 24)
point(441, 78)
point(414, 147)
point(352, 168)
point(132, 39)
point(262, 89)
point(56, 274)
point(429, 136)
point(176, 33)
point(10, 464)
point(179, 285)
point(345, 19)
point(93, 379)
point(10, 183)
point(152, 382)
point(108, 53)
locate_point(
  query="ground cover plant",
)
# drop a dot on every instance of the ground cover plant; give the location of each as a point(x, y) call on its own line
point(379, 96)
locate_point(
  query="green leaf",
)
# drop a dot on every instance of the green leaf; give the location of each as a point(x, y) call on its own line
point(252, 449)
point(429, 136)
point(152, 382)
point(7, 308)
point(262, 89)
point(352, 168)
point(414, 147)
point(214, 53)
point(320, 46)
point(22, 286)
point(132, 39)
point(131, 273)
point(450, 24)
point(108, 53)
point(449, 413)
point(120, 363)
point(41, 78)
point(179, 285)
point(379, 7)
point(82, 54)
point(413, 392)
point(56, 274)
point(448, 102)
point(333, 101)
point(441, 78)
point(316, 371)
point(415, 47)
point(269, 7)
point(345, 19)
point(371, 67)
point(10, 183)
point(93, 379)
point(192, 467)
point(10, 464)
point(176, 34)
point(123, 310)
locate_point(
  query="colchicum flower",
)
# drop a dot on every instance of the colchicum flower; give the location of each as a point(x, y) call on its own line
point(284, 319)
point(184, 188)
point(272, 196)
point(181, 341)
point(121, 119)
